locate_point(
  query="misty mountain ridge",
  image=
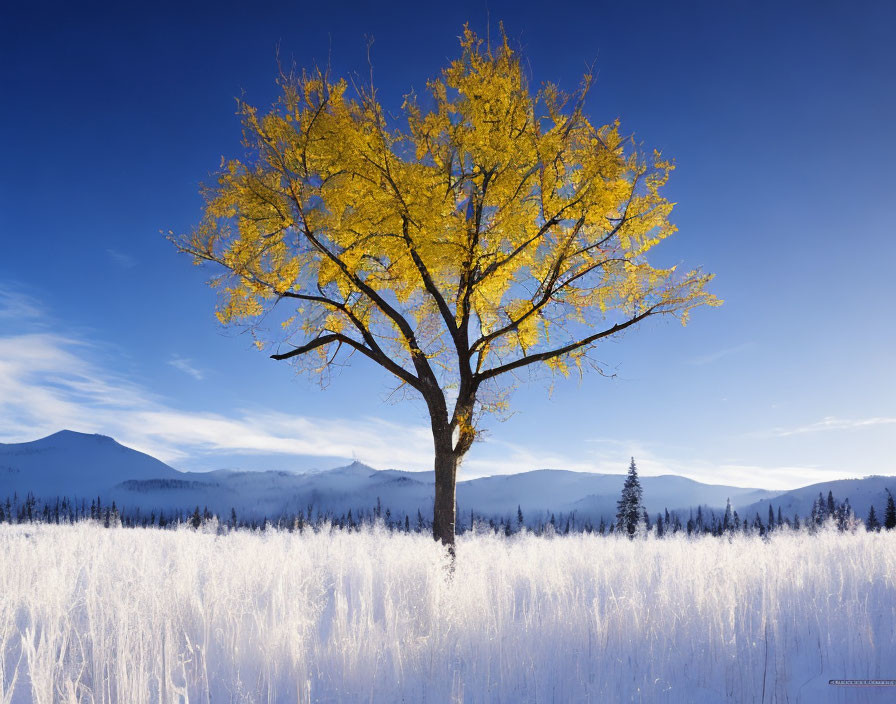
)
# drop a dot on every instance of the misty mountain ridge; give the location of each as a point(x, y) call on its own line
point(83, 466)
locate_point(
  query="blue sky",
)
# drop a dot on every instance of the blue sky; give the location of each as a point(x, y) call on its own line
point(779, 116)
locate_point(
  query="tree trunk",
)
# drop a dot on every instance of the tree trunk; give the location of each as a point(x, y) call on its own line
point(445, 505)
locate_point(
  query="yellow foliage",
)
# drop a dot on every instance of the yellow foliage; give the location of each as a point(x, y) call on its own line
point(496, 227)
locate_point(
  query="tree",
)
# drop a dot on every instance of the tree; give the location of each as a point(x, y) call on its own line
point(493, 232)
point(629, 509)
point(890, 513)
point(872, 523)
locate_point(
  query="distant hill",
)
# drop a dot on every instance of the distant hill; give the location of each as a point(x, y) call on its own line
point(862, 493)
point(84, 466)
point(75, 465)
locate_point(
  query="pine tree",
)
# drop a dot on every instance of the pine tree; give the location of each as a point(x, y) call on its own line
point(196, 520)
point(726, 520)
point(872, 523)
point(519, 518)
point(629, 508)
point(890, 513)
point(771, 518)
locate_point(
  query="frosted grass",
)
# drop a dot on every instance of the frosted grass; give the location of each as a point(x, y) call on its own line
point(89, 614)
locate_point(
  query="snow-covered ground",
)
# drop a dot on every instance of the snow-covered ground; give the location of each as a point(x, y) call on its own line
point(116, 615)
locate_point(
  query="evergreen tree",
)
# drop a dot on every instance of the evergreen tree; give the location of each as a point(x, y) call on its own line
point(872, 523)
point(519, 518)
point(629, 508)
point(890, 513)
point(726, 520)
point(771, 518)
point(196, 520)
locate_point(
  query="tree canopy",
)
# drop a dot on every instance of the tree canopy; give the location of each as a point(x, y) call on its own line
point(490, 228)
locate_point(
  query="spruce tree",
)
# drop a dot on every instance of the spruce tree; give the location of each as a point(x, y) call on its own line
point(629, 508)
point(890, 513)
point(872, 523)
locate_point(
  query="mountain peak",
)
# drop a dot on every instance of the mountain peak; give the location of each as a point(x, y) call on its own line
point(75, 435)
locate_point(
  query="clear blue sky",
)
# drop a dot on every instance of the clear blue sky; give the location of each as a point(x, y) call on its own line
point(779, 115)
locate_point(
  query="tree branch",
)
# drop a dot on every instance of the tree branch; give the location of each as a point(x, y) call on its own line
point(551, 354)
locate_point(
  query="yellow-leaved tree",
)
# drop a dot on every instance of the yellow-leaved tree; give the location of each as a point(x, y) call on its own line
point(494, 229)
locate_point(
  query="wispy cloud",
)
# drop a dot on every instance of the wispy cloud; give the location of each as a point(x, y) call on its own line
point(186, 366)
point(50, 381)
point(15, 305)
point(831, 423)
point(125, 261)
point(719, 354)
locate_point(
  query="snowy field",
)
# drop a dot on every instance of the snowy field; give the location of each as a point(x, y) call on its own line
point(89, 614)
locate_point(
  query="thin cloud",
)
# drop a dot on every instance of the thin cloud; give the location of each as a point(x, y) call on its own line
point(186, 366)
point(50, 381)
point(15, 305)
point(125, 261)
point(719, 354)
point(831, 423)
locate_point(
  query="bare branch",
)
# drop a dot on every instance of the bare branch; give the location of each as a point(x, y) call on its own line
point(566, 349)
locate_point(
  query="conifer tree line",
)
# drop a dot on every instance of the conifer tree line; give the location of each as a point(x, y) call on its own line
point(632, 519)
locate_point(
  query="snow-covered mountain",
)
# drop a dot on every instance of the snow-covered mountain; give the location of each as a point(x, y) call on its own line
point(862, 494)
point(84, 466)
point(75, 465)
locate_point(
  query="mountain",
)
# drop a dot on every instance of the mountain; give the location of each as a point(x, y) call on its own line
point(593, 495)
point(862, 493)
point(74, 464)
point(83, 466)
